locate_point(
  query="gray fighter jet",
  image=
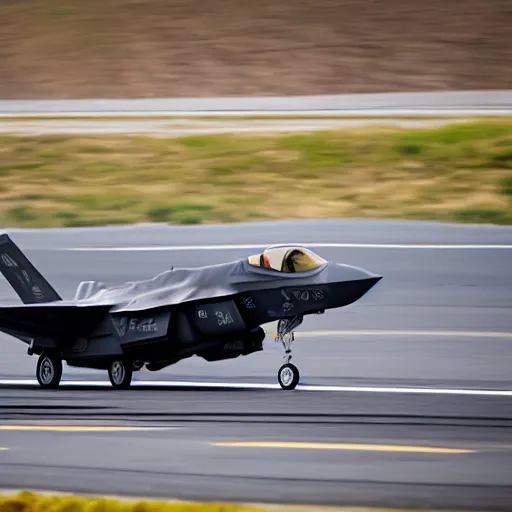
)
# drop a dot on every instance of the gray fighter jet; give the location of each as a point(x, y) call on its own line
point(214, 312)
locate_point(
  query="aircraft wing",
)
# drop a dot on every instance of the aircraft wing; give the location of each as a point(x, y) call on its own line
point(53, 320)
point(43, 313)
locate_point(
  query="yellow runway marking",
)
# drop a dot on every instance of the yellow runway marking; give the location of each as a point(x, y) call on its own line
point(336, 446)
point(3, 449)
point(59, 428)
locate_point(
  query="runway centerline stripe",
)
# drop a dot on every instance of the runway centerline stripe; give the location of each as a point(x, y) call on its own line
point(341, 446)
point(263, 246)
point(252, 386)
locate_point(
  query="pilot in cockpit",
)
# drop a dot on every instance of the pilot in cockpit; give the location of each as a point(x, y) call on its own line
point(287, 259)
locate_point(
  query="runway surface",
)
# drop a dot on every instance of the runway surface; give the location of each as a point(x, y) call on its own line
point(413, 400)
point(273, 446)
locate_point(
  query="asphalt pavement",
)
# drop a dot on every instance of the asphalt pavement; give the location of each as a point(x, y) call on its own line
point(343, 233)
point(408, 391)
point(254, 446)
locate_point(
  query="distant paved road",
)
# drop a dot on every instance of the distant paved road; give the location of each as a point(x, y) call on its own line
point(181, 128)
point(427, 103)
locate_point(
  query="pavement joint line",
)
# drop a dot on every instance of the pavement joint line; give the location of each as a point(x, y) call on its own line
point(254, 386)
point(343, 446)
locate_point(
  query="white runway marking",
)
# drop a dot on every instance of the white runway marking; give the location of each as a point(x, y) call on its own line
point(262, 246)
point(370, 332)
point(300, 387)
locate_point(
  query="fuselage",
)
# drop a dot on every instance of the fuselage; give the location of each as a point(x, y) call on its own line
point(216, 326)
point(215, 312)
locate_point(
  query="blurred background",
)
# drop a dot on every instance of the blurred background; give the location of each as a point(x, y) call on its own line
point(178, 48)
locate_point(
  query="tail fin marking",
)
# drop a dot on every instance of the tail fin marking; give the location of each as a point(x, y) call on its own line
point(27, 282)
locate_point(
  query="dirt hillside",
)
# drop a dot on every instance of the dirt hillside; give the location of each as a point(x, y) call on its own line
point(155, 48)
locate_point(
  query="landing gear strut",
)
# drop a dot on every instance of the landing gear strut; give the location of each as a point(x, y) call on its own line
point(288, 375)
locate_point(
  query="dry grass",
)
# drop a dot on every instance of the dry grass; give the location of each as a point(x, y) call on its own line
point(162, 48)
point(460, 172)
point(33, 502)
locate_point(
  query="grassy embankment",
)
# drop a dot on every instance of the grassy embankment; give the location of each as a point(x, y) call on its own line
point(461, 173)
point(33, 502)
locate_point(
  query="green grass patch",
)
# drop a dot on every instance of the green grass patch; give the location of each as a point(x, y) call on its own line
point(506, 186)
point(484, 215)
point(459, 172)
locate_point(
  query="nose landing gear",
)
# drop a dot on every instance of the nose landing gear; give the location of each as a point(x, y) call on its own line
point(288, 375)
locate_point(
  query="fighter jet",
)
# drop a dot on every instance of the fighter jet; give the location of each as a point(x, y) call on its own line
point(215, 312)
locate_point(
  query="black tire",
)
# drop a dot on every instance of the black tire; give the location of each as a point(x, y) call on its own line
point(288, 376)
point(120, 373)
point(49, 371)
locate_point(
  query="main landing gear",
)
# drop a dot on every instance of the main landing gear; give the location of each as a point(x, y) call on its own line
point(49, 370)
point(288, 375)
point(120, 374)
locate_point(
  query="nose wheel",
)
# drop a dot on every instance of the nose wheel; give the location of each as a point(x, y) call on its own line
point(288, 376)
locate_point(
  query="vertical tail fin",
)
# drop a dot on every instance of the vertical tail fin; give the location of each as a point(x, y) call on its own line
point(28, 283)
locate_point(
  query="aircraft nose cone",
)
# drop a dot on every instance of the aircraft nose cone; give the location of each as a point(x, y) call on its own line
point(349, 273)
point(349, 284)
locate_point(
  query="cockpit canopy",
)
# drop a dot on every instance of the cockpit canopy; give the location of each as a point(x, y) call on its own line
point(287, 259)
